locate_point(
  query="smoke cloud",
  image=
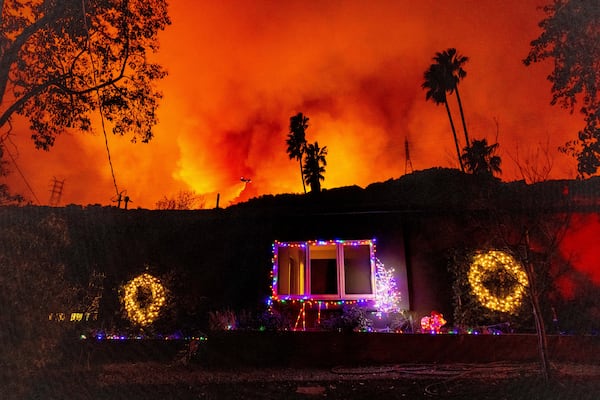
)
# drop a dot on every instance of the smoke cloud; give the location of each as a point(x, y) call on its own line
point(238, 71)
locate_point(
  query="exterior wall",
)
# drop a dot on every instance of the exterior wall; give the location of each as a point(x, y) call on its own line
point(222, 258)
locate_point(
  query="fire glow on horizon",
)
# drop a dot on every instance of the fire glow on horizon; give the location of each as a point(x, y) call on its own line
point(237, 73)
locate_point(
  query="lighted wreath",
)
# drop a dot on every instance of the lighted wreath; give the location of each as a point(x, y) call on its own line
point(143, 297)
point(492, 264)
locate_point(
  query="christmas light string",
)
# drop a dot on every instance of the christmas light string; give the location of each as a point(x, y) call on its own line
point(494, 262)
point(143, 314)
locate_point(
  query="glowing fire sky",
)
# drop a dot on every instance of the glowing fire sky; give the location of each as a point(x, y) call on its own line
point(238, 70)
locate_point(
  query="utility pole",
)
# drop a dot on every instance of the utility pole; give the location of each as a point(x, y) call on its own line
point(56, 192)
point(408, 163)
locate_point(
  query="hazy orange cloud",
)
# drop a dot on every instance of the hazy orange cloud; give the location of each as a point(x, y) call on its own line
point(239, 70)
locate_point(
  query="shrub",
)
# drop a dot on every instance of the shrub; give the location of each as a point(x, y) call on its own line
point(223, 320)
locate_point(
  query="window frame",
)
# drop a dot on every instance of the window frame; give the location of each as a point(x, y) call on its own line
point(341, 294)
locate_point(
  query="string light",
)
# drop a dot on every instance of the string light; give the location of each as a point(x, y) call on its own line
point(493, 262)
point(143, 314)
point(387, 297)
point(73, 317)
point(303, 245)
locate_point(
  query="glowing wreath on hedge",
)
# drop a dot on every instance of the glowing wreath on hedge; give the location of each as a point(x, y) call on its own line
point(490, 265)
point(143, 297)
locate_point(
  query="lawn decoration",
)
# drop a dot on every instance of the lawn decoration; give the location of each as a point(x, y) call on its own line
point(496, 264)
point(433, 323)
point(387, 295)
point(143, 297)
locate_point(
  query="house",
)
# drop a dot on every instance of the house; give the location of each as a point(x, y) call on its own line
point(332, 245)
point(314, 277)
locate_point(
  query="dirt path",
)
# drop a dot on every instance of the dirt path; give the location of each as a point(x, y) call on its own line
point(156, 381)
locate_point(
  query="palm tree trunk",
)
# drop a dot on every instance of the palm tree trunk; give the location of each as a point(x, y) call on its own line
point(462, 116)
point(462, 168)
point(302, 176)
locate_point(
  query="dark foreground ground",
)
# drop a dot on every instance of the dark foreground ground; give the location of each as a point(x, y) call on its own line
point(177, 380)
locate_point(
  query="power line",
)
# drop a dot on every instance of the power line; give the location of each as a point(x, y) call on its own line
point(14, 161)
point(88, 43)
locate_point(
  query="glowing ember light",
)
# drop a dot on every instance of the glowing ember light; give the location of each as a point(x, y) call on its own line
point(143, 312)
point(493, 263)
point(433, 323)
point(387, 295)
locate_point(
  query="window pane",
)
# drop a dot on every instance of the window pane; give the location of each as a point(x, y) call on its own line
point(357, 269)
point(290, 272)
point(323, 270)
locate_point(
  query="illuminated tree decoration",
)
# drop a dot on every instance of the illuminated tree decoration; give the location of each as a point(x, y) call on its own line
point(492, 266)
point(387, 297)
point(143, 297)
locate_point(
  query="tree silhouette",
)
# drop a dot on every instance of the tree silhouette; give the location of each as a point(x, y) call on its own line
point(480, 158)
point(62, 60)
point(314, 166)
point(34, 286)
point(451, 64)
point(6, 197)
point(434, 83)
point(570, 36)
point(296, 141)
point(183, 200)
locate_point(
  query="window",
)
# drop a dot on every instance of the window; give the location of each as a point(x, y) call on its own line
point(357, 269)
point(291, 270)
point(324, 270)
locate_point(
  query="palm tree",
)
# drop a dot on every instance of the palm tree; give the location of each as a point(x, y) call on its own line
point(314, 166)
point(436, 92)
point(451, 64)
point(296, 140)
point(480, 158)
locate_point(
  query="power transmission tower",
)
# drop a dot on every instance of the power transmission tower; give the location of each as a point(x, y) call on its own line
point(56, 191)
point(408, 163)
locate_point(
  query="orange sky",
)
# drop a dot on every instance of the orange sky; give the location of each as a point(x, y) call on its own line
point(238, 70)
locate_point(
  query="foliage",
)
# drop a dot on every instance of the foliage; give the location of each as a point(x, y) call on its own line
point(443, 77)
point(451, 64)
point(480, 158)
point(351, 318)
point(310, 157)
point(183, 200)
point(296, 140)
point(258, 320)
point(399, 321)
point(6, 197)
point(314, 166)
point(61, 60)
point(273, 320)
point(537, 163)
point(570, 37)
point(222, 320)
point(33, 281)
point(468, 312)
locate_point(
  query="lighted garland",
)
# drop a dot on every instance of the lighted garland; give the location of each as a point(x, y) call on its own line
point(491, 262)
point(143, 314)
